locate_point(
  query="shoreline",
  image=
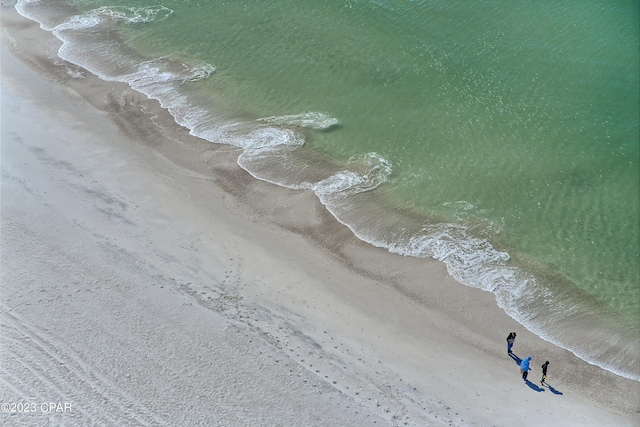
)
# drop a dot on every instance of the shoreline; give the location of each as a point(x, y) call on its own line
point(380, 315)
point(525, 289)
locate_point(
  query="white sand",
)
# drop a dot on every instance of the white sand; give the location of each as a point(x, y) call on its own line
point(138, 291)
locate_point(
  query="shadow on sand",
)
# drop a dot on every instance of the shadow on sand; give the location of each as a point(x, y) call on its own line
point(516, 358)
point(552, 390)
point(533, 387)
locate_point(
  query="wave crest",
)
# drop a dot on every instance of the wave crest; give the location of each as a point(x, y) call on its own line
point(198, 72)
point(136, 15)
point(311, 120)
point(364, 174)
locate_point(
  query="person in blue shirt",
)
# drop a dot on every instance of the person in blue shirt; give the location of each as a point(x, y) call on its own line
point(524, 367)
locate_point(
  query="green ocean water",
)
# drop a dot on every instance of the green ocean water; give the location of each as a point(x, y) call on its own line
point(499, 137)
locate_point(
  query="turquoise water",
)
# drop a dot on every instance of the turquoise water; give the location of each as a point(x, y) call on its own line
point(499, 137)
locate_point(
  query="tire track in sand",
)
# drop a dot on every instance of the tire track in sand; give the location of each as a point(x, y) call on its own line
point(38, 368)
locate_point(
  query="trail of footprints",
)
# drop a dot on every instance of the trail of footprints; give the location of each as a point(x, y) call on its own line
point(32, 362)
point(344, 368)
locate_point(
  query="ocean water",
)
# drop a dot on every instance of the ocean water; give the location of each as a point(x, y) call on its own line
point(500, 137)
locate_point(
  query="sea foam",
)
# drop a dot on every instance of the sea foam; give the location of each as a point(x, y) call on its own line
point(269, 146)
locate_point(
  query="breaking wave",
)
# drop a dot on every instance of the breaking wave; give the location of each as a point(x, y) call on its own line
point(309, 120)
point(273, 150)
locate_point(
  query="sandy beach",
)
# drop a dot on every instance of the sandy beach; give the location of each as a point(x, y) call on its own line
point(146, 279)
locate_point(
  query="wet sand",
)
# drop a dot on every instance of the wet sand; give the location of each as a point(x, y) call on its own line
point(147, 280)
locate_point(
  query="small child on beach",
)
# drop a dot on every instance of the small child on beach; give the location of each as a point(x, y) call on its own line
point(545, 365)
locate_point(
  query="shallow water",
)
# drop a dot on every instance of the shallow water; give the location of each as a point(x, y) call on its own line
point(501, 138)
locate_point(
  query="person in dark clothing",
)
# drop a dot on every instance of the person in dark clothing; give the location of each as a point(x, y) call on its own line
point(510, 340)
point(545, 365)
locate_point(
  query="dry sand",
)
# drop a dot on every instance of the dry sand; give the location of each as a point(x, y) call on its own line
point(147, 280)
